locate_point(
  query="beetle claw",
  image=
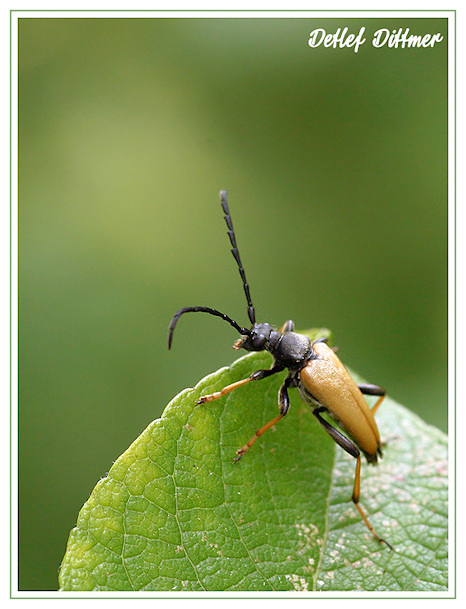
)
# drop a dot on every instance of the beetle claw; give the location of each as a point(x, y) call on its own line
point(390, 547)
point(239, 454)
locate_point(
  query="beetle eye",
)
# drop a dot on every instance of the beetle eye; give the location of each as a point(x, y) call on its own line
point(258, 341)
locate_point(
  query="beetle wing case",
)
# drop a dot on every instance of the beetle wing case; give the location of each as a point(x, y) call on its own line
point(326, 379)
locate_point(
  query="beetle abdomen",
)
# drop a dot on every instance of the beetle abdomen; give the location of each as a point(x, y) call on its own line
point(327, 380)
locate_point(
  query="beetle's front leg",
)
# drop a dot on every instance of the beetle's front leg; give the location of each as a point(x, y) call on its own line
point(284, 405)
point(255, 376)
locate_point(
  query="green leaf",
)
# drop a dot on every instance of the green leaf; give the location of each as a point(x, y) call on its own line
point(176, 513)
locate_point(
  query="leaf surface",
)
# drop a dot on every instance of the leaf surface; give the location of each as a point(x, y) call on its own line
point(176, 513)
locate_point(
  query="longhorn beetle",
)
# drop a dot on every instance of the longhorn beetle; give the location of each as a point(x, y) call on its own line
point(314, 368)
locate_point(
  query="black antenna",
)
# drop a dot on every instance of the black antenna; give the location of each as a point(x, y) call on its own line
point(235, 252)
point(224, 316)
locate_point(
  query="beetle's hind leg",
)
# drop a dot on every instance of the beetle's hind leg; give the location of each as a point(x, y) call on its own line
point(355, 498)
point(353, 450)
point(284, 405)
point(368, 389)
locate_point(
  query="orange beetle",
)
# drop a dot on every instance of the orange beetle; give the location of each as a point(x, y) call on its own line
point(317, 372)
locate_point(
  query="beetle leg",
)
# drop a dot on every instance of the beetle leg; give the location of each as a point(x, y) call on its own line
point(368, 389)
point(255, 376)
point(353, 450)
point(355, 499)
point(336, 435)
point(377, 404)
point(322, 339)
point(288, 326)
point(284, 405)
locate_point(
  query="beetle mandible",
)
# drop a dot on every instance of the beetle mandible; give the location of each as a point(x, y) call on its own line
point(314, 368)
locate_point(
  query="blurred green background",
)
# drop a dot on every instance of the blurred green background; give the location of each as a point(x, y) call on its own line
point(336, 168)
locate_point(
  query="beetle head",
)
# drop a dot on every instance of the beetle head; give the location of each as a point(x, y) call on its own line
point(256, 339)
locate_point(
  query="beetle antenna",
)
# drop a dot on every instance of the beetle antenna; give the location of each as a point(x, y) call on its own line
point(235, 252)
point(179, 313)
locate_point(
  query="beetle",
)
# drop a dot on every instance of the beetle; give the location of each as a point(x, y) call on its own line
point(315, 369)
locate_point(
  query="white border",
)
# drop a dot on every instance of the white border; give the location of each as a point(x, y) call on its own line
point(14, 309)
point(227, 14)
point(451, 303)
point(15, 15)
